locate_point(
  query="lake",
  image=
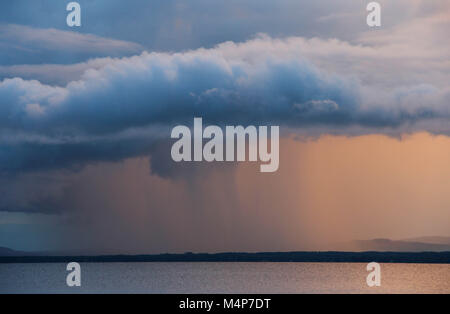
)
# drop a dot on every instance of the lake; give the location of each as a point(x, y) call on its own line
point(224, 278)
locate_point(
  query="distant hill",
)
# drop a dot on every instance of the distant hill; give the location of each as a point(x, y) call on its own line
point(309, 257)
point(431, 240)
point(413, 245)
point(426, 244)
point(8, 252)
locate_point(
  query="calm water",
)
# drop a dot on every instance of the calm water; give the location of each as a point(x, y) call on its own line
point(225, 278)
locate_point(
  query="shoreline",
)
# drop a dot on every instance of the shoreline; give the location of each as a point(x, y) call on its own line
point(306, 257)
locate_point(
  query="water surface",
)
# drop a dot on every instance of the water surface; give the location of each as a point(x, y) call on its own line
point(224, 278)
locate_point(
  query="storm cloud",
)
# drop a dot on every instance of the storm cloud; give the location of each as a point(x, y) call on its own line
point(86, 115)
point(119, 109)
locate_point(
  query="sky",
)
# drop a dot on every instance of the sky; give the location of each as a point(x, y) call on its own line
point(86, 114)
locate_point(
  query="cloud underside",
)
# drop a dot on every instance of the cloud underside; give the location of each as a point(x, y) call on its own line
point(114, 108)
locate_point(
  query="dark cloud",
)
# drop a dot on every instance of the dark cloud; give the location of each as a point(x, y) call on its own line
point(26, 45)
point(120, 109)
point(174, 25)
point(52, 74)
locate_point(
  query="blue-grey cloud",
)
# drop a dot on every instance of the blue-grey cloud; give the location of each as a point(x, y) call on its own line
point(52, 74)
point(174, 25)
point(26, 45)
point(106, 114)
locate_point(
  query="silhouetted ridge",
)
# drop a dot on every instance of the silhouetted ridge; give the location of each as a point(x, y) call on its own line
point(335, 257)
